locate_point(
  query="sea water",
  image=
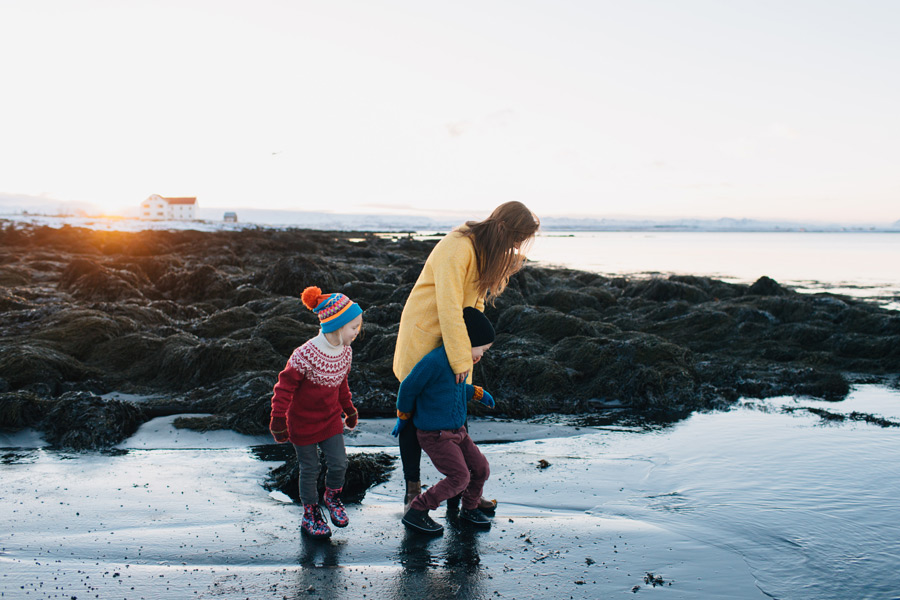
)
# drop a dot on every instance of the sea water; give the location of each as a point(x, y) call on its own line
point(810, 505)
point(765, 500)
point(852, 263)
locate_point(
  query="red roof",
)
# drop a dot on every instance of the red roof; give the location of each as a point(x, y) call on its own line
point(181, 200)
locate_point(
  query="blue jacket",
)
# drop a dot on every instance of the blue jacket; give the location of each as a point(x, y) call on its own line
point(431, 393)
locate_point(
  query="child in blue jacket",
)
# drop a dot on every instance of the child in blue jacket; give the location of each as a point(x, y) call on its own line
point(437, 405)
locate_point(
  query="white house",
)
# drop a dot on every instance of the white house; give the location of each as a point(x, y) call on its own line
point(159, 208)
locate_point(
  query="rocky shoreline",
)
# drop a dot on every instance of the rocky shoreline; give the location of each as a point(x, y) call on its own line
point(202, 322)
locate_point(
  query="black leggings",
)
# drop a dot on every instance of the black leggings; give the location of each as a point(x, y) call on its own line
point(411, 451)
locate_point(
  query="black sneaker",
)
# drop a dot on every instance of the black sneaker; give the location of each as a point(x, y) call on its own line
point(421, 522)
point(475, 517)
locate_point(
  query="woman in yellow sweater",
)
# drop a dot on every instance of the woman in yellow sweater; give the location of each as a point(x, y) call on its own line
point(471, 265)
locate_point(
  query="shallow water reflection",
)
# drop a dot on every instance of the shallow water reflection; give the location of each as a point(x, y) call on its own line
point(809, 503)
point(438, 568)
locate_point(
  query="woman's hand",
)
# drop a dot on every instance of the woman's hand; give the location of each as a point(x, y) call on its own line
point(461, 377)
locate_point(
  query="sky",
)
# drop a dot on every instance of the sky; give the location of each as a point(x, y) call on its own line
point(757, 109)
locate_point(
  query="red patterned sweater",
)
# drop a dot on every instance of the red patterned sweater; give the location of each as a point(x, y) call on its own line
point(312, 391)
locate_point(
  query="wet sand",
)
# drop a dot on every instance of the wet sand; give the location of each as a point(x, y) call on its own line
point(183, 515)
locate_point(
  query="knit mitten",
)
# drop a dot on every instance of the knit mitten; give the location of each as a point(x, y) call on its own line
point(313, 523)
point(402, 418)
point(278, 429)
point(482, 395)
point(335, 507)
point(352, 417)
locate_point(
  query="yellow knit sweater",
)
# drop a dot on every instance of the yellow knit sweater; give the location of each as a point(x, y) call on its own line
point(434, 310)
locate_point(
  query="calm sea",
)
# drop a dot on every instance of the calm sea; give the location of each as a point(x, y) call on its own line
point(859, 264)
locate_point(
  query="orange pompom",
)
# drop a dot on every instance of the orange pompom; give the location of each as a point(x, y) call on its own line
point(310, 297)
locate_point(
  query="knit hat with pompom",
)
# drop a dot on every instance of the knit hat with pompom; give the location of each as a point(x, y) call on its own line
point(334, 310)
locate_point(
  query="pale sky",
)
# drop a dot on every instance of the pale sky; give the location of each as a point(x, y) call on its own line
point(779, 109)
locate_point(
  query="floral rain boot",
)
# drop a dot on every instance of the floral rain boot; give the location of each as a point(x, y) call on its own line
point(313, 523)
point(336, 507)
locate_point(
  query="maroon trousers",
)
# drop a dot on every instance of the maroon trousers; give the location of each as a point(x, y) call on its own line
point(455, 456)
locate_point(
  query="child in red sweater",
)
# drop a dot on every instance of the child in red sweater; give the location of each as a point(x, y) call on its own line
point(311, 404)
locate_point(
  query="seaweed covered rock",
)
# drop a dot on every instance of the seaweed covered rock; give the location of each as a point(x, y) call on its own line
point(225, 322)
point(77, 331)
point(87, 280)
point(643, 371)
point(662, 290)
point(290, 275)
point(241, 402)
point(766, 286)
point(566, 300)
point(542, 322)
point(184, 361)
point(83, 421)
point(284, 333)
point(206, 320)
point(10, 301)
point(364, 470)
point(203, 283)
point(22, 409)
point(38, 366)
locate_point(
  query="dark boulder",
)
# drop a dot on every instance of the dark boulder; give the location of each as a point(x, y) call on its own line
point(184, 361)
point(664, 290)
point(290, 275)
point(225, 322)
point(39, 365)
point(88, 280)
point(566, 300)
point(642, 371)
point(368, 293)
point(363, 471)
point(194, 285)
point(542, 322)
point(285, 334)
point(22, 409)
point(77, 331)
point(83, 421)
point(766, 286)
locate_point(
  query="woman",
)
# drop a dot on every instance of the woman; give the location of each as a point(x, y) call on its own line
point(469, 266)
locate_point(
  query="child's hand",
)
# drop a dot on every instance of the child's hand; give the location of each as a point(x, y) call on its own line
point(487, 399)
point(278, 429)
point(398, 427)
point(351, 419)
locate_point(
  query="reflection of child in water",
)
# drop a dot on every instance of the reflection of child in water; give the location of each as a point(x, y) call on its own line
point(311, 404)
point(437, 405)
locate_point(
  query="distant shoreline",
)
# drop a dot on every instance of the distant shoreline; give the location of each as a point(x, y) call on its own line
point(409, 225)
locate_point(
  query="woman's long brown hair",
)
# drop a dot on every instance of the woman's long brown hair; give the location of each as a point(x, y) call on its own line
point(500, 241)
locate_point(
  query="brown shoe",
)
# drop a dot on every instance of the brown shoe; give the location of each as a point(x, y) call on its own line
point(413, 489)
point(487, 506)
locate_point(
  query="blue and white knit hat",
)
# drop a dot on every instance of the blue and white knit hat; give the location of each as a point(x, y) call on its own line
point(334, 310)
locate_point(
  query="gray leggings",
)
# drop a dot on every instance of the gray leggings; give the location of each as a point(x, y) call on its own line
point(308, 459)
